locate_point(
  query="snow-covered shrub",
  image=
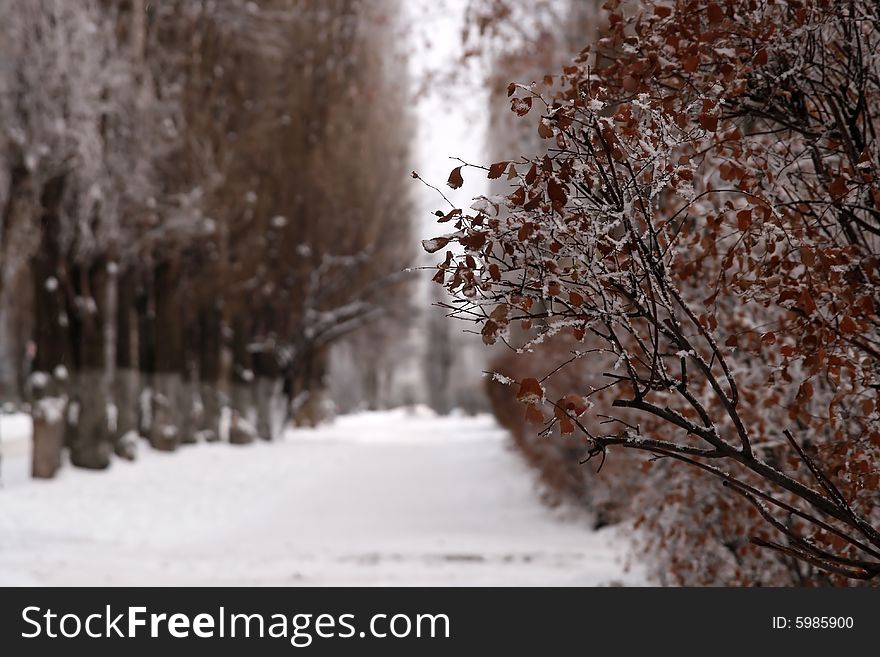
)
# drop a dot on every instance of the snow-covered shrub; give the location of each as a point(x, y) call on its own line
point(558, 460)
point(704, 226)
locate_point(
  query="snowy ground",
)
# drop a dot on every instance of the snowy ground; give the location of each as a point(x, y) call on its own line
point(391, 498)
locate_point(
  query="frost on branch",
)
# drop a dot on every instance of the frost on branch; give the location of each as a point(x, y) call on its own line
point(703, 237)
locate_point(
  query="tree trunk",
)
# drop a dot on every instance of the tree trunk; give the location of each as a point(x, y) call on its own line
point(165, 433)
point(48, 436)
point(189, 407)
point(146, 350)
point(90, 439)
point(18, 218)
point(372, 386)
point(109, 316)
point(439, 358)
point(48, 382)
point(127, 379)
point(267, 371)
point(241, 428)
point(310, 397)
point(210, 345)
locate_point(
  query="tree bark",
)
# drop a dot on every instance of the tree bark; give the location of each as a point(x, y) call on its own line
point(266, 391)
point(48, 390)
point(127, 378)
point(310, 390)
point(210, 346)
point(165, 433)
point(241, 429)
point(189, 407)
point(146, 351)
point(90, 437)
point(48, 382)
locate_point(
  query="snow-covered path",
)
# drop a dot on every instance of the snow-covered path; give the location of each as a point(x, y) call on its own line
point(390, 498)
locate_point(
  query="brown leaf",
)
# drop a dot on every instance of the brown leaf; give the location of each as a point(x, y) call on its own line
point(838, 188)
point(544, 130)
point(490, 328)
point(450, 215)
point(521, 105)
point(556, 192)
point(806, 303)
point(806, 390)
point(566, 426)
point(761, 57)
point(435, 244)
point(573, 404)
point(518, 197)
point(534, 414)
point(500, 314)
point(455, 180)
point(473, 241)
point(690, 64)
point(496, 170)
point(709, 121)
point(630, 84)
point(848, 326)
point(808, 257)
point(534, 201)
point(532, 174)
point(530, 391)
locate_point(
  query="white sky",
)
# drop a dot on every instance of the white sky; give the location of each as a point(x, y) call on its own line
point(450, 121)
point(451, 117)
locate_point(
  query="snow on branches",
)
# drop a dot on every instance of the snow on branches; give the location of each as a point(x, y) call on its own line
point(704, 223)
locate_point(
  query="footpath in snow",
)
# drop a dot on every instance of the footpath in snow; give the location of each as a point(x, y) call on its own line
point(388, 498)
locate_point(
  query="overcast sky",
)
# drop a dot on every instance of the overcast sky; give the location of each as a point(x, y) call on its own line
point(450, 117)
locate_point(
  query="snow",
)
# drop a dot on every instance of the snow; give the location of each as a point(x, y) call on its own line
point(383, 498)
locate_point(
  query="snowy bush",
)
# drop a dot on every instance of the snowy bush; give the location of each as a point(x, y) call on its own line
point(704, 227)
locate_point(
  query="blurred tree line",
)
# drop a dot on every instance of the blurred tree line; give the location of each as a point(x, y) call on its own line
point(192, 213)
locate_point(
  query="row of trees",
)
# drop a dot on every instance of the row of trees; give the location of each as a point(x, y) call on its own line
point(689, 272)
point(191, 211)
